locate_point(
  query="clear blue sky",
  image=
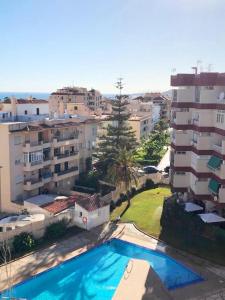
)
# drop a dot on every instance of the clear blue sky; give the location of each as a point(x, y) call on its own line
point(47, 44)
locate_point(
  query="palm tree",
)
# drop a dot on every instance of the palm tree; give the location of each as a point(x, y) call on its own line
point(123, 170)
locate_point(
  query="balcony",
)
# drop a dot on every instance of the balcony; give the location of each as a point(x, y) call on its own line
point(200, 187)
point(73, 171)
point(186, 95)
point(63, 141)
point(32, 184)
point(182, 160)
point(183, 118)
point(68, 156)
point(47, 177)
point(220, 147)
point(181, 138)
point(180, 180)
point(36, 145)
point(203, 143)
point(31, 166)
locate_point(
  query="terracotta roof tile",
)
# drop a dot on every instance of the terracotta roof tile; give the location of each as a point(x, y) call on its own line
point(89, 203)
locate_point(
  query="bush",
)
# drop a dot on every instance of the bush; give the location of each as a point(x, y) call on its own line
point(133, 191)
point(55, 230)
point(112, 206)
point(23, 242)
point(149, 184)
point(118, 202)
point(123, 197)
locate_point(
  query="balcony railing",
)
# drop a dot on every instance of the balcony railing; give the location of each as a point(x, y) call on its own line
point(72, 169)
point(33, 180)
point(66, 138)
point(67, 154)
point(47, 175)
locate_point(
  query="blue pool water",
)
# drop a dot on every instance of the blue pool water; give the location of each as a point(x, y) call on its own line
point(96, 274)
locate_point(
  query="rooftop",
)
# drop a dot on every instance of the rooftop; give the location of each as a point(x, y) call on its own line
point(88, 202)
point(202, 79)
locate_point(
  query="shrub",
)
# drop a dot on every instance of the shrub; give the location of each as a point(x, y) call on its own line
point(149, 184)
point(118, 202)
point(55, 230)
point(133, 191)
point(23, 242)
point(123, 197)
point(112, 206)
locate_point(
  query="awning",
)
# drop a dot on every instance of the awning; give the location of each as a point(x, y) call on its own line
point(211, 218)
point(214, 186)
point(214, 162)
point(189, 207)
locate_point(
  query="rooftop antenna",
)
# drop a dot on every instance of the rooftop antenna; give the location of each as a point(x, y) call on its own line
point(199, 65)
point(210, 68)
point(173, 71)
point(195, 69)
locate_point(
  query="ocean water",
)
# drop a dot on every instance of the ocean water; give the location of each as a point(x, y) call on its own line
point(24, 95)
point(96, 274)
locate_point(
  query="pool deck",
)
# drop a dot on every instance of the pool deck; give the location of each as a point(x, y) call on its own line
point(148, 285)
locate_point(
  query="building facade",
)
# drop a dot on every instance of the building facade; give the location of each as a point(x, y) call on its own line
point(143, 118)
point(162, 101)
point(198, 138)
point(12, 109)
point(74, 100)
point(42, 157)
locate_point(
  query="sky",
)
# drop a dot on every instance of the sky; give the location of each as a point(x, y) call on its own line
point(48, 44)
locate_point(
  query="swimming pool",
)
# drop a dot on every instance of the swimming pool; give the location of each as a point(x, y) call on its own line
point(96, 274)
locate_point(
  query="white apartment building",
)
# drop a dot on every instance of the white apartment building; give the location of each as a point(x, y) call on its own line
point(162, 101)
point(13, 109)
point(74, 100)
point(42, 157)
point(198, 139)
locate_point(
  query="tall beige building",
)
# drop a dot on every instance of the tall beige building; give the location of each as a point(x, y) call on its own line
point(42, 157)
point(74, 100)
point(198, 139)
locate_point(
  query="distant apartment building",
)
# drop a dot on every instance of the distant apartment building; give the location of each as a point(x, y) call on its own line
point(143, 118)
point(198, 139)
point(12, 109)
point(42, 157)
point(74, 100)
point(163, 102)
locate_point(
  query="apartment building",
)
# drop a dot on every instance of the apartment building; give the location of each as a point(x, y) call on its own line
point(42, 157)
point(74, 100)
point(198, 139)
point(12, 109)
point(143, 117)
point(161, 100)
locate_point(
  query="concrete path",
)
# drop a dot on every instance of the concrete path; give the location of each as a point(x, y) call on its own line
point(165, 161)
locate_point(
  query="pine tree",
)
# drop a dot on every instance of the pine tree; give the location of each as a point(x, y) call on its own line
point(119, 134)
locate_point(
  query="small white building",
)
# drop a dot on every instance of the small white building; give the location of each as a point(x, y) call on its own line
point(91, 212)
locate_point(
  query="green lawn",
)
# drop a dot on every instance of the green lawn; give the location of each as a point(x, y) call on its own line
point(145, 210)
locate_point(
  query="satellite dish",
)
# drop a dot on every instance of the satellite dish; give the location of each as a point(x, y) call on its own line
point(221, 96)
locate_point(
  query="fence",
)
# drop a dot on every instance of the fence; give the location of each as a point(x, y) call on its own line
point(37, 228)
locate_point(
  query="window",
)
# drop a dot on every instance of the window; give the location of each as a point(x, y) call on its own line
point(80, 214)
point(75, 108)
point(37, 111)
point(180, 152)
point(180, 173)
point(25, 112)
point(220, 118)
